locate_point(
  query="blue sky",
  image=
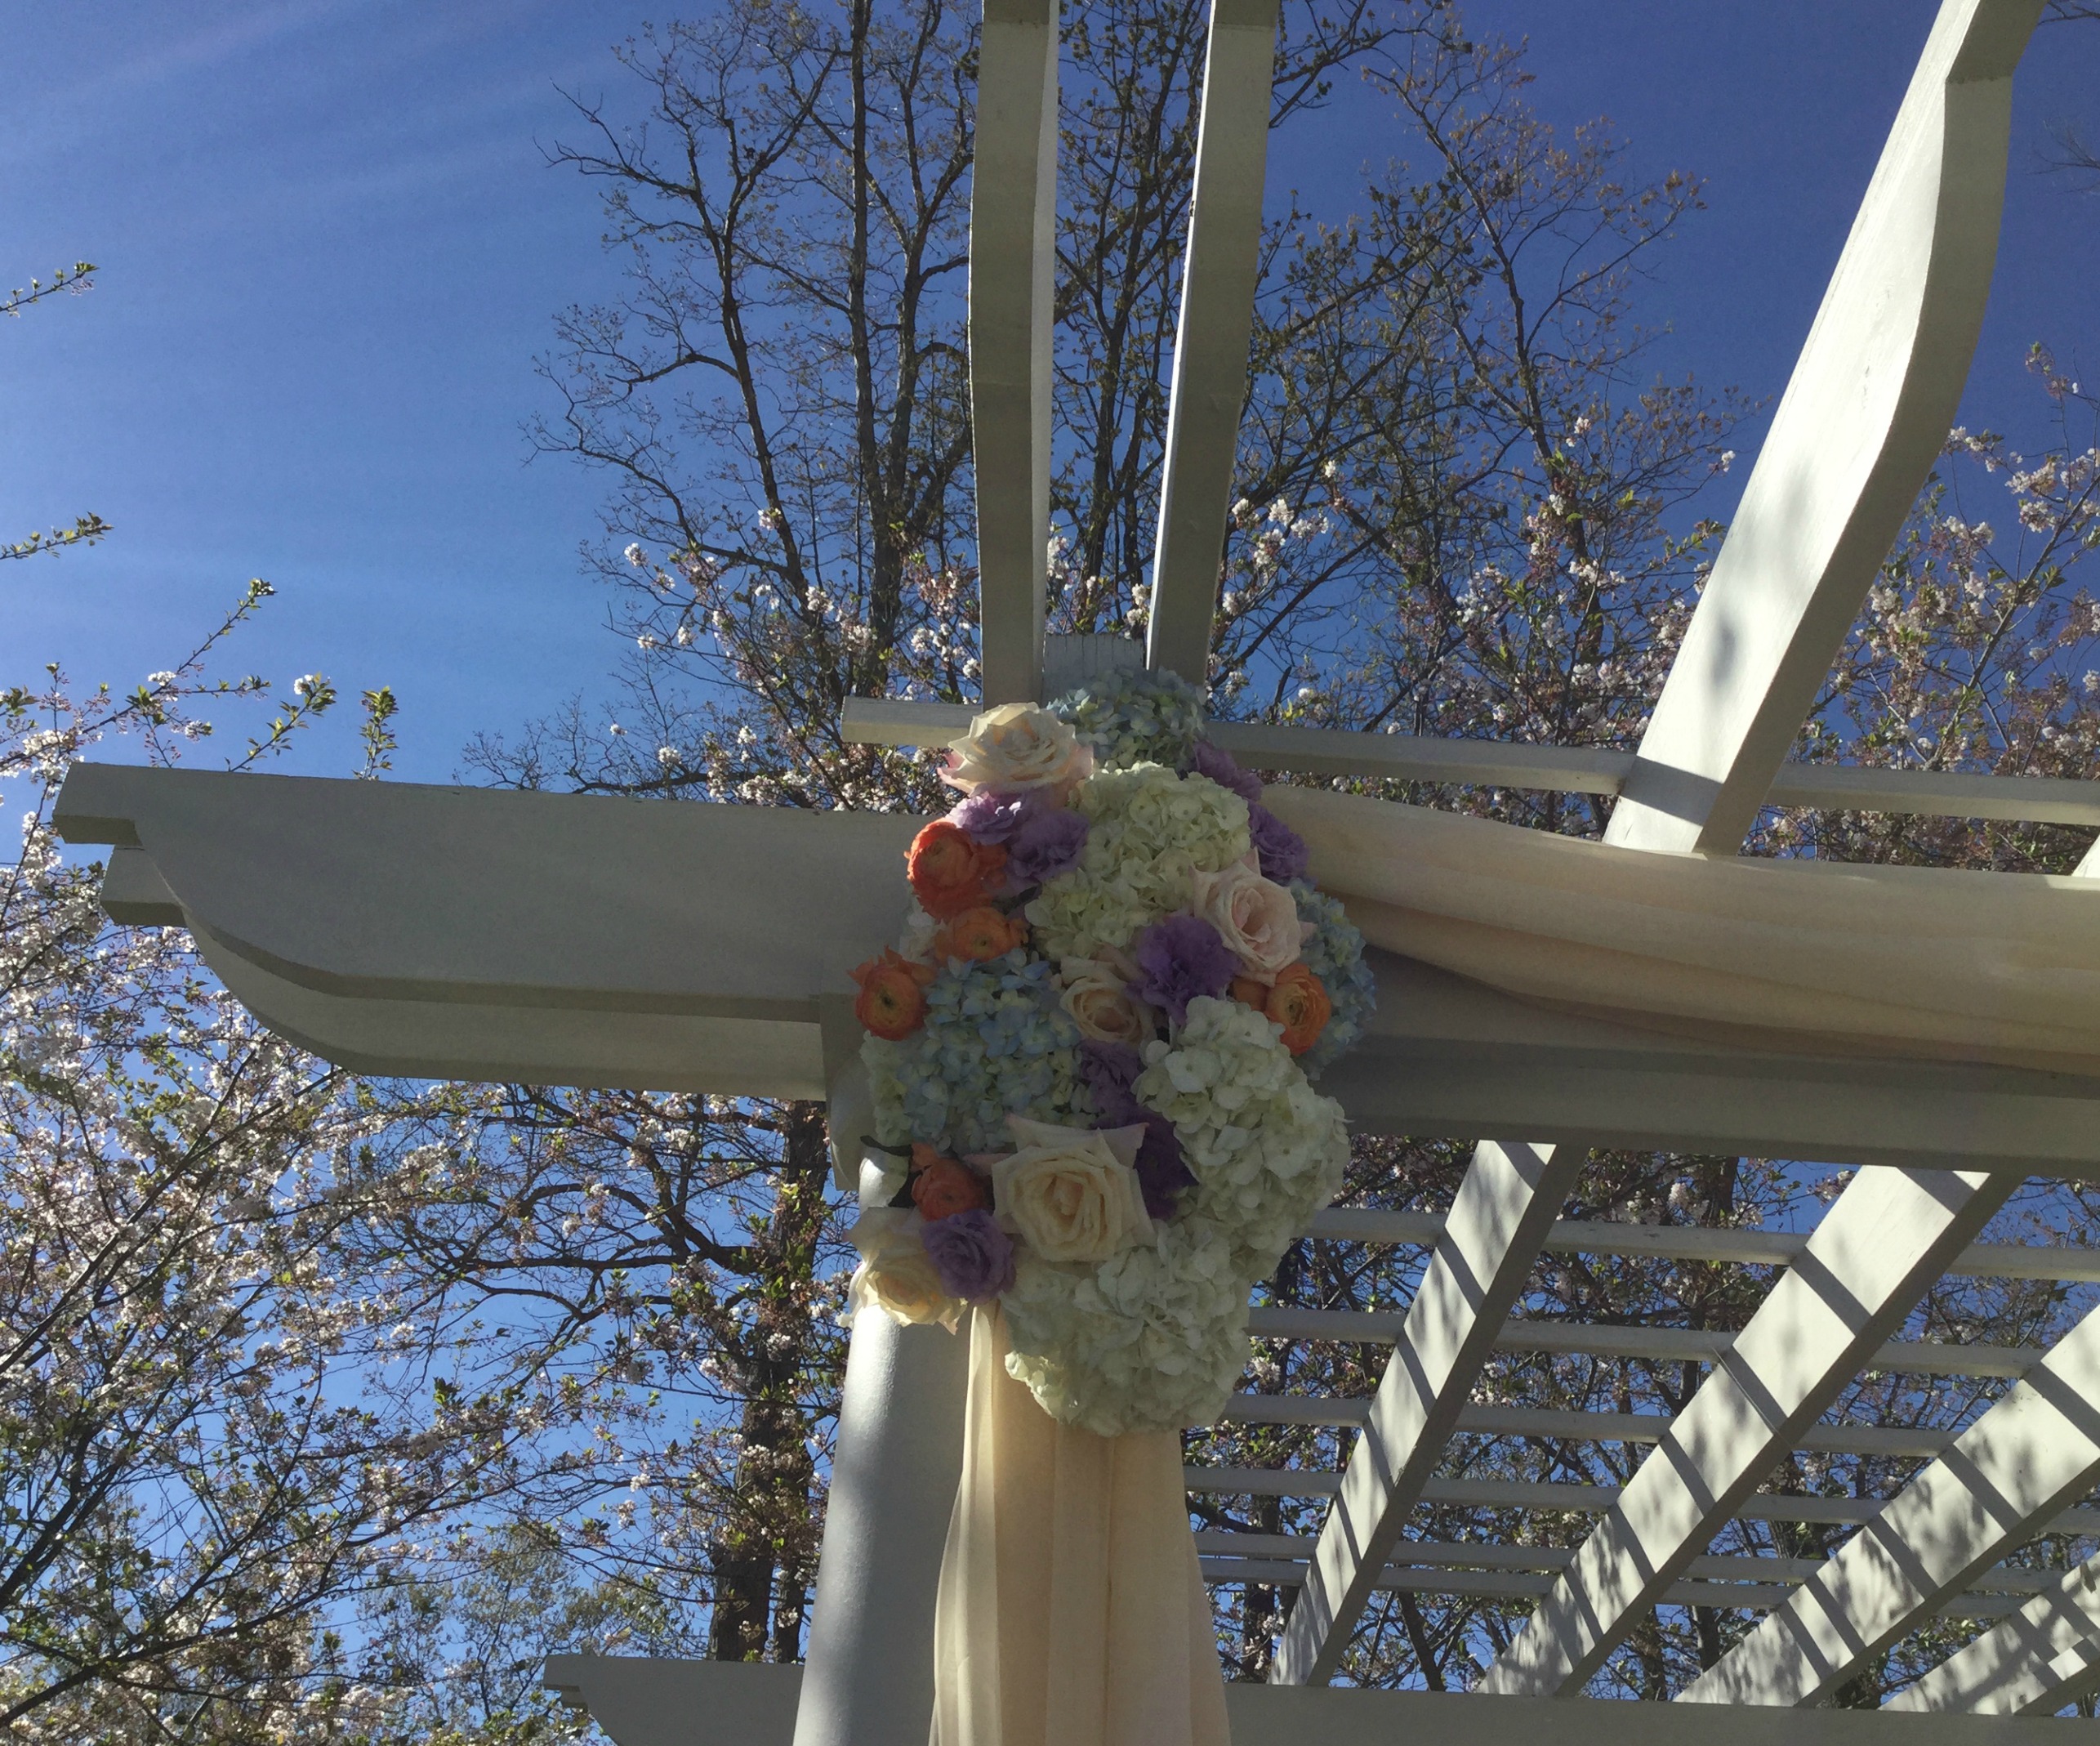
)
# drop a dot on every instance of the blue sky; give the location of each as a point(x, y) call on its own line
point(330, 250)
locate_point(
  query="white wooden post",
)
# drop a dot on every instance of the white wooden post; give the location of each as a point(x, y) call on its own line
point(895, 1464)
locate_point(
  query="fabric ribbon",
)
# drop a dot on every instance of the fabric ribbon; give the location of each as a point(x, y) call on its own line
point(1800, 955)
point(1071, 1611)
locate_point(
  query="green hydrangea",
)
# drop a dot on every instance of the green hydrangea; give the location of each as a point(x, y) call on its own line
point(1151, 831)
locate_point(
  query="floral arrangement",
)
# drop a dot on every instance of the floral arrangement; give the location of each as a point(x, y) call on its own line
point(1091, 1053)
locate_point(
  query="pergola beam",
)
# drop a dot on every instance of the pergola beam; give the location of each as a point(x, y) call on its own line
point(1219, 277)
point(1865, 412)
point(2041, 1659)
point(2005, 1479)
point(1558, 769)
point(1013, 264)
point(1874, 1254)
point(1506, 1204)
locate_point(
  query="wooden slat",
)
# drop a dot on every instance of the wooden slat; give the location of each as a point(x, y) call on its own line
point(2005, 1478)
point(1013, 259)
point(1878, 1249)
point(1505, 1204)
point(1210, 382)
point(1562, 770)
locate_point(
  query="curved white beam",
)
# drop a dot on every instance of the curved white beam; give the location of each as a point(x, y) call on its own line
point(1219, 277)
point(1862, 418)
point(2003, 1480)
point(1012, 266)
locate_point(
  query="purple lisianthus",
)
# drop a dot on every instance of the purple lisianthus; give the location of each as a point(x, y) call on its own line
point(990, 816)
point(1162, 1173)
point(1219, 767)
point(973, 1256)
point(1178, 959)
point(1281, 850)
point(1044, 844)
point(1110, 1069)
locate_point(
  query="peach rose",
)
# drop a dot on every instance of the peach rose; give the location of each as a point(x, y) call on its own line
point(895, 1276)
point(980, 934)
point(941, 1187)
point(1018, 746)
point(892, 1002)
point(1256, 917)
point(1299, 1002)
point(951, 871)
point(1249, 993)
point(1097, 997)
point(1072, 1194)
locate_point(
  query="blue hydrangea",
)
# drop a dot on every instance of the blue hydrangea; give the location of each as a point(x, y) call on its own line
point(1335, 954)
point(1136, 718)
point(995, 1041)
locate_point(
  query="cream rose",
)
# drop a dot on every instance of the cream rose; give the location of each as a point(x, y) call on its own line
point(1017, 746)
point(895, 1274)
point(1256, 917)
point(1097, 997)
point(1071, 1193)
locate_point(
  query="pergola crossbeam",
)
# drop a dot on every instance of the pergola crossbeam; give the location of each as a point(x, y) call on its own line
point(2036, 1661)
point(1653, 1345)
point(1877, 1250)
point(1864, 413)
point(1559, 770)
point(2005, 1478)
point(1505, 1204)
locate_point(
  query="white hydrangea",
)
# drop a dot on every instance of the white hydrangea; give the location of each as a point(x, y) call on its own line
point(1152, 1340)
point(1151, 832)
point(1266, 1151)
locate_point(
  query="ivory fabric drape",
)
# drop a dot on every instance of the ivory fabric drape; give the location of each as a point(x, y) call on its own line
point(1810, 956)
point(1071, 1610)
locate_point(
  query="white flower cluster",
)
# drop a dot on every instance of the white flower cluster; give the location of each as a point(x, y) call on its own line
point(1152, 831)
point(1153, 1339)
point(1267, 1151)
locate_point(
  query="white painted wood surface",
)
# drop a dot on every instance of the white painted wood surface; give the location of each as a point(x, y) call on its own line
point(1563, 770)
point(562, 939)
point(2003, 1481)
point(2038, 1660)
point(1013, 263)
point(1506, 1203)
point(643, 1702)
point(1864, 415)
point(1877, 1250)
point(1210, 382)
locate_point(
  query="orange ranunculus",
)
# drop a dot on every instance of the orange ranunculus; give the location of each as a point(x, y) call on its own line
point(951, 871)
point(892, 1002)
point(980, 934)
point(1249, 993)
point(944, 1186)
point(1299, 1002)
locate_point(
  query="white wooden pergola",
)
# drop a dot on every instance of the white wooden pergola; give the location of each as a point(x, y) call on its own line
point(465, 933)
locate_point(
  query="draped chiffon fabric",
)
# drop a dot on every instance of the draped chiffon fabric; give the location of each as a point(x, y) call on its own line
point(1799, 955)
point(1071, 1610)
